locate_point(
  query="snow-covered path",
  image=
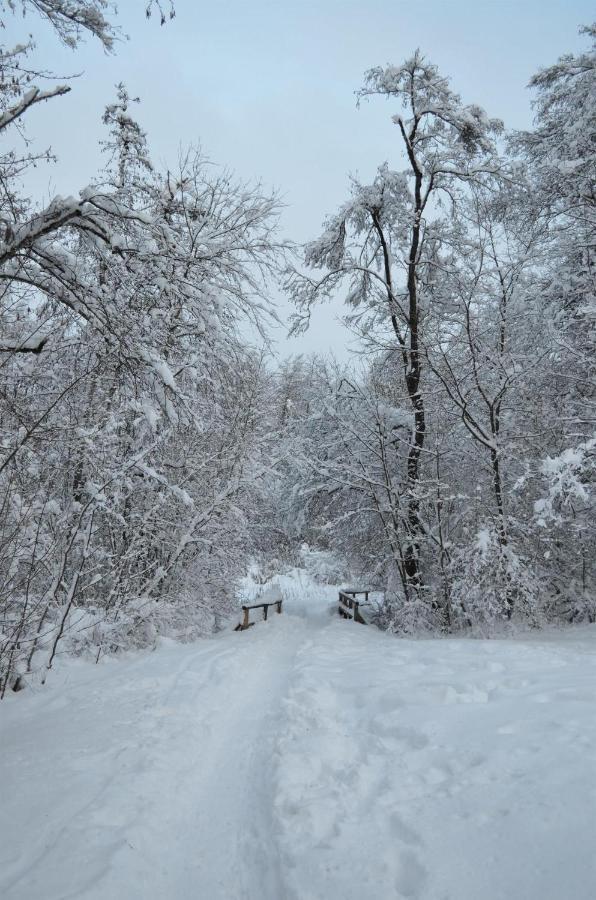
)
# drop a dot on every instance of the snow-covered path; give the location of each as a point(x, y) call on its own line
point(307, 759)
point(440, 770)
point(155, 775)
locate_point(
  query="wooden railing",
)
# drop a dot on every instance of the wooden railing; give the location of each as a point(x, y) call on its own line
point(349, 607)
point(242, 626)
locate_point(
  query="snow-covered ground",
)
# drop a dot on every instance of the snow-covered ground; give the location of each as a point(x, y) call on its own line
point(308, 758)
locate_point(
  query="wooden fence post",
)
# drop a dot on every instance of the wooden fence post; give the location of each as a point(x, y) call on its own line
point(245, 623)
point(349, 607)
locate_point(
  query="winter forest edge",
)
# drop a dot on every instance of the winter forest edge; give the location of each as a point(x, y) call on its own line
point(151, 452)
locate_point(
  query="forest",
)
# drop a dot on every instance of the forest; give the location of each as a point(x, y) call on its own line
point(153, 447)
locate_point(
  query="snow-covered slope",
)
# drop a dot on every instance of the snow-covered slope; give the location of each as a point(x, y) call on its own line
point(307, 758)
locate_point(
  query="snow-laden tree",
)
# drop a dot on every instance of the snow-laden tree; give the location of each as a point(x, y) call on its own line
point(383, 244)
point(470, 278)
point(561, 156)
point(482, 353)
point(72, 20)
point(131, 444)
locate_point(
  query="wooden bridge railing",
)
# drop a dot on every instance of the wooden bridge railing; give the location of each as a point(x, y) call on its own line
point(242, 626)
point(349, 607)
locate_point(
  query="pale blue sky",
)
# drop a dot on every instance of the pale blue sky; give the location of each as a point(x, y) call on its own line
point(268, 87)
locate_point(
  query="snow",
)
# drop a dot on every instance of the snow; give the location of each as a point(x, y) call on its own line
point(162, 369)
point(308, 757)
point(456, 769)
point(484, 540)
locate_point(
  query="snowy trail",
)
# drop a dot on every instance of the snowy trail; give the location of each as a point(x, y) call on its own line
point(161, 778)
point(307, 759)
point(440, 770)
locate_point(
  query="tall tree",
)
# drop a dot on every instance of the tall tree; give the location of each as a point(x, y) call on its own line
point(384, 240)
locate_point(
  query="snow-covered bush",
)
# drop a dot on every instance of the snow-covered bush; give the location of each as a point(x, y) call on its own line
point(492, 583)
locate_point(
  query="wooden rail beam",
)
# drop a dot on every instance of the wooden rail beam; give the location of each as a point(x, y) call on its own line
point(349, 607)
point(246, 623)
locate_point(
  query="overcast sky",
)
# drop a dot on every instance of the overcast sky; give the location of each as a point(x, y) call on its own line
point(267, 88)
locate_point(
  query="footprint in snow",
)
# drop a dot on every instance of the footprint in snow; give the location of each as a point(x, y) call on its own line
point(411, 877)
point(403, 832)
point(414, 740)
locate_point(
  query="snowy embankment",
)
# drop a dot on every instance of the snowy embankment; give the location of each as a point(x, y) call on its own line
point(307, 758)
